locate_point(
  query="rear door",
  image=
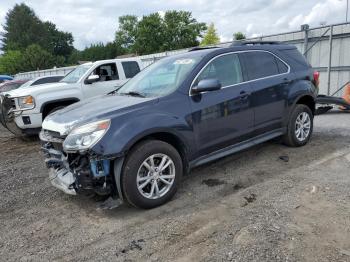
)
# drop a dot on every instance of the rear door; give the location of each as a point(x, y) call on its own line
point(109, 80)
point(130, 68)
point(222, 117)
point(269, 78)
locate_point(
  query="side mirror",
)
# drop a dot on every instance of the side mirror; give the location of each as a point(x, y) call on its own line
point(91, 79)
point(206, 85)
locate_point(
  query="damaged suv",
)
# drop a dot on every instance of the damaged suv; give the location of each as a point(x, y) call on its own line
point(135, 143)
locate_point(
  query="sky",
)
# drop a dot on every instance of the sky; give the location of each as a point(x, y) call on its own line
point(92, 21)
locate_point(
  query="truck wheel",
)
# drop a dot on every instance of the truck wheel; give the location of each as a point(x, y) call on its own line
point(300, 127)
point(151, 174)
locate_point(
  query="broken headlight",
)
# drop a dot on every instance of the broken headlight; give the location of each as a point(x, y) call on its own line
point(86, 136)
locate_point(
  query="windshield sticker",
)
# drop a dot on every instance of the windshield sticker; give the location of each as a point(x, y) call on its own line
point(184, 62)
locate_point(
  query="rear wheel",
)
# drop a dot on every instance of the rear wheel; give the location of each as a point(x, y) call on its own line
point(300, 126)
point(151, 174)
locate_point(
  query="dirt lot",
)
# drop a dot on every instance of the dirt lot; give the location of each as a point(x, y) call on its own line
point(252, 206)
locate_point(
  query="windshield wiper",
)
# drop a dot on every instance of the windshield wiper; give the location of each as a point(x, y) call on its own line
point(133, 93)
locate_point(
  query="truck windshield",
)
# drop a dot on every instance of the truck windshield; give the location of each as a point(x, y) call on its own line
point(161, 78)
point(76, 74)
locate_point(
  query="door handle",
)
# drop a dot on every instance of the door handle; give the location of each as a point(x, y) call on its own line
point(286, 81)
point(243, 95)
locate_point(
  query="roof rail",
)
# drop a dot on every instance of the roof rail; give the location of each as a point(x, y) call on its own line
point(242, 43)
point(202, 48)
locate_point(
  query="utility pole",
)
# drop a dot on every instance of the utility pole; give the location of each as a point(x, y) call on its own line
point(329, 68)
point(347, 9)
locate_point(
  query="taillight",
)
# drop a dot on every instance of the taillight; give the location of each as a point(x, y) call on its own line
point(316, 78)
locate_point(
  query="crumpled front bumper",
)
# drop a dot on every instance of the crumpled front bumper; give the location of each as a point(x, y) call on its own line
point(60, 174)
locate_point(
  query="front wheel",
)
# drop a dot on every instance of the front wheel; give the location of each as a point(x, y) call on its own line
point(151, 174)
point(300, 126)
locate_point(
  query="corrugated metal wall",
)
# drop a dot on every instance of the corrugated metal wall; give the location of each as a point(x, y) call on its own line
point(318, 43)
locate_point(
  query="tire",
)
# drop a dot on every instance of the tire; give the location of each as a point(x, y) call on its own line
point(293, 138)
point(137, 172)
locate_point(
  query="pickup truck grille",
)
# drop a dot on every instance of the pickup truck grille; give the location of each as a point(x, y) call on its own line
point(13, 103)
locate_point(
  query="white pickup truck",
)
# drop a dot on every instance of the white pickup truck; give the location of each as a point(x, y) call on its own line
point(23, 110)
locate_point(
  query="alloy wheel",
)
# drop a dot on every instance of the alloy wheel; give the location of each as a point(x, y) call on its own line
point(155, 176)
point(302, 126)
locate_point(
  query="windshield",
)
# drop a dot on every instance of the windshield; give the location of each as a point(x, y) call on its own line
point(162, 77)
point(76, 74)
point(26, 84)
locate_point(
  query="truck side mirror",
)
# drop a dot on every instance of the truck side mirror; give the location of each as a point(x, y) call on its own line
point(91, 79)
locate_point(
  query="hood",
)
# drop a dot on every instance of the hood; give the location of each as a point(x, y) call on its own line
point(93, 109)
point(32, 90)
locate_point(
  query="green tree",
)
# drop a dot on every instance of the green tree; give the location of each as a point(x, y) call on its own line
point(126, 34)
point(238, 36)
point(11, 62)
point(181, 30)
point(35, 58)
point(59, 43)
point(32, 58)
point(95, 52)
point(153, 33)
point(210, 37)
point(150, 35)
point(22, 28)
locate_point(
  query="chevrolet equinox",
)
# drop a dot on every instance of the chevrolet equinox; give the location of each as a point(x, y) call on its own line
point(135, 143)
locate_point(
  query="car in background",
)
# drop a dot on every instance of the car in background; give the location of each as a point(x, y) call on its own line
point(4, 78)
point(22, 83)
point(43, 80)
point(12, 84)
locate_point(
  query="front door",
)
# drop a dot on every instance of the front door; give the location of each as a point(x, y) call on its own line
point(223, 117)
point(108, 80)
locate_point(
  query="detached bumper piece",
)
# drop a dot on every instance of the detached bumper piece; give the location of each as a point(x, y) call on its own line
point(63, 180)
point(327, 103)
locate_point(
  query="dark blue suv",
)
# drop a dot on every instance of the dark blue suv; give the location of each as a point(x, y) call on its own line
point(135, 143)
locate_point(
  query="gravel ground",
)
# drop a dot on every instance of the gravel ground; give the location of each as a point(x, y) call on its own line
point(269, 203)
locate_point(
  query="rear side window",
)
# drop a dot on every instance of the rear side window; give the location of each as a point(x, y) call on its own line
point(260, 64)
point(131, 68)
point(298, 61)
point(282, 67)
point(226, 69)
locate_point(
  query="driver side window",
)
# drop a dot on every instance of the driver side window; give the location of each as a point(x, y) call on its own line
point(226, 69)
point(106, 72)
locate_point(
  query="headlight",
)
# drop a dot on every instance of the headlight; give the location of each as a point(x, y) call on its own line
point(86, 136)
point(26, 102)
